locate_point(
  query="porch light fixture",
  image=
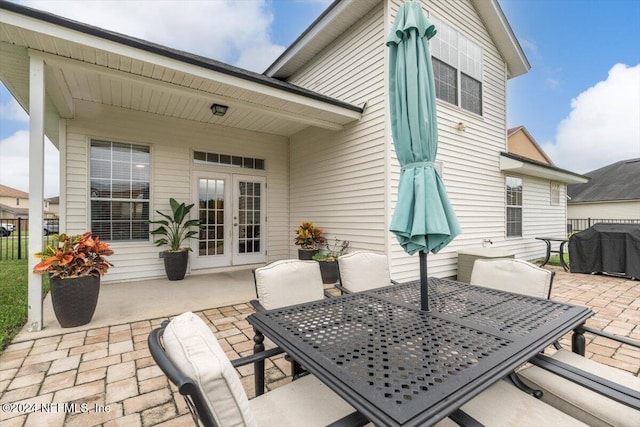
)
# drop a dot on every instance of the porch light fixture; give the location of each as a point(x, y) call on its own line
point(219, 110)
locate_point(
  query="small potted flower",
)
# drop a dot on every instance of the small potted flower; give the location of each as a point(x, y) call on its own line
point(175, 229)
point(75, 265)
point(329, 260)
point(308, 237)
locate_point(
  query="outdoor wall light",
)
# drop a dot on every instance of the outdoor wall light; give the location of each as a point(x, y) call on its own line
point(461, 126)
point(219, 110)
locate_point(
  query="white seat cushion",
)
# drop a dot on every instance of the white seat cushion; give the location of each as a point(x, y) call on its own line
point(289, 282)
point(360, 271)
point(193, 348)
point(304, 402)
point(582, 403)
point(502, 404)
point(512, 275)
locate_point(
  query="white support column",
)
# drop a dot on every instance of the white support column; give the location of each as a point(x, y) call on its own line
point(36, 187)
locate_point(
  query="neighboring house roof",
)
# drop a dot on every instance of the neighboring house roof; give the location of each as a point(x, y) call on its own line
point(514, 163)
point(12, 192)
point(518, 150)
point(617, 181)
point(342, 14)
point(54, 200)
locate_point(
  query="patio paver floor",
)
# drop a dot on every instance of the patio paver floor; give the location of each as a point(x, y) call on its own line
point(106, 376)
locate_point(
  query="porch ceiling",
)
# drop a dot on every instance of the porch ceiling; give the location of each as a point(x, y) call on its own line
point(81, 66)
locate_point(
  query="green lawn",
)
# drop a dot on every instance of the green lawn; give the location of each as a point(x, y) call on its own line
point(13, 298)
point(555, 259)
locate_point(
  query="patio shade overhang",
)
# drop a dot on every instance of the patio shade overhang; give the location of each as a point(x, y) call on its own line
point(86, 63)
point(512, 163)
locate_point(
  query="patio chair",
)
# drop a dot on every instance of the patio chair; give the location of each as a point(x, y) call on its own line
point(592, 392)
point(287, 282)
point(361, 271)
point(283, 283)
point(188, 353)
point(566, 380)
point(512, 275)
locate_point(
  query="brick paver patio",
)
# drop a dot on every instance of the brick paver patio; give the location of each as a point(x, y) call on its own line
point(106, 376)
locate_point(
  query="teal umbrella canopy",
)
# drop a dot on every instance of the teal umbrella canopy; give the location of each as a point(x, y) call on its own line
point(423, 219)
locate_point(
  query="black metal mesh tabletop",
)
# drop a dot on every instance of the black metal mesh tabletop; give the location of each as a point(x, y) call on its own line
point(399, 365)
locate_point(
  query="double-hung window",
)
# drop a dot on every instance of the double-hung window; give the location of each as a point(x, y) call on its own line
point(120, 181)
point(457, 68)
point(514, 206)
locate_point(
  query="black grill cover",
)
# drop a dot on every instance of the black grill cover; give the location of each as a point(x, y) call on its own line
point(606, 248)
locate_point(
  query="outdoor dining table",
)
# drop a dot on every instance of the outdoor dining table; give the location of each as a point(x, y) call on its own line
point(401, 366)
point(547, 240)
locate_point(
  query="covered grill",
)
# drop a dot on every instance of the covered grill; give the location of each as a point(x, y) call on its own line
point(606, 248)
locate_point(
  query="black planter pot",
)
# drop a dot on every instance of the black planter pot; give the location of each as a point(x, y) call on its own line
point(307, 254)
point(74, 299)
point(329, 271)
point(175, 264)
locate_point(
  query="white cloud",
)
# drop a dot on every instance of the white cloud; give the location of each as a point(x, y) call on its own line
point(604, 124)
point(13, 111)
point(14, 164)
point(530, 46)
point(235, 32)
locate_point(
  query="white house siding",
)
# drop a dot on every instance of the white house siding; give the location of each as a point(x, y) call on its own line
point(629, 209)
point(338, 178)
point(539, 219)
point(171, 141)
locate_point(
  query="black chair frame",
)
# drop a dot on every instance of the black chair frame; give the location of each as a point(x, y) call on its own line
point(186, 386)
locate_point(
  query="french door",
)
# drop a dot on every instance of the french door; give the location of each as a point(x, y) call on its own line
point(232, 213)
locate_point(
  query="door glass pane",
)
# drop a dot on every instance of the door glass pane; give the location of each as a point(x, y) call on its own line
point(211, 214)
point(249, 217)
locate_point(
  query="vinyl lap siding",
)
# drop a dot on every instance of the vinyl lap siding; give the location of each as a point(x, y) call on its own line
point(338, 178)
point(171, 142)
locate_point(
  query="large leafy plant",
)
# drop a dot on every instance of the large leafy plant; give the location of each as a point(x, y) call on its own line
point(174, 228)
point(308, 236)
point(74, 256)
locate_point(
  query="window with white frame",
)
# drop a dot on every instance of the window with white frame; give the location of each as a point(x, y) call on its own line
point(554, 191)
point(457, 67)
point(514, 206)
point(120, 181)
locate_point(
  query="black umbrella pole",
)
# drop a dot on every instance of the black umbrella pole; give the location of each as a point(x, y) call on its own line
point(424, 287)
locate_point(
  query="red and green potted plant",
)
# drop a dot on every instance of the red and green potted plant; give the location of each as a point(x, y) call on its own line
point(75, 265)
point(308, 237)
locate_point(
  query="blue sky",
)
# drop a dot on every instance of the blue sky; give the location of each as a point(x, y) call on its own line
point(580, 101)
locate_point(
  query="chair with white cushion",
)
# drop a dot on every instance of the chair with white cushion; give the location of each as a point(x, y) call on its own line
point(592, 392)
point(279, 284)
point(190, 356)
point(361, 271)
point(512, 275)
point(585, 389)
point(287, 282)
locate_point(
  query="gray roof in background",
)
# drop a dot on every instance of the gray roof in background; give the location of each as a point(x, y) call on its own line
point(617, 181)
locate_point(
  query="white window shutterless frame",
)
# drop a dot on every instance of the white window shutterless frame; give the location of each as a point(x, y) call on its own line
point(232, 213)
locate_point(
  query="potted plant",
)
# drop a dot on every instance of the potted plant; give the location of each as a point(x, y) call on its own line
point(329, 260)
point(75, 265)
point(308, 237)
point(175, 229)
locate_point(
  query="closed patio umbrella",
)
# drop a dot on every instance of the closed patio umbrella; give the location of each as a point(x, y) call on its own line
point(423, 220)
